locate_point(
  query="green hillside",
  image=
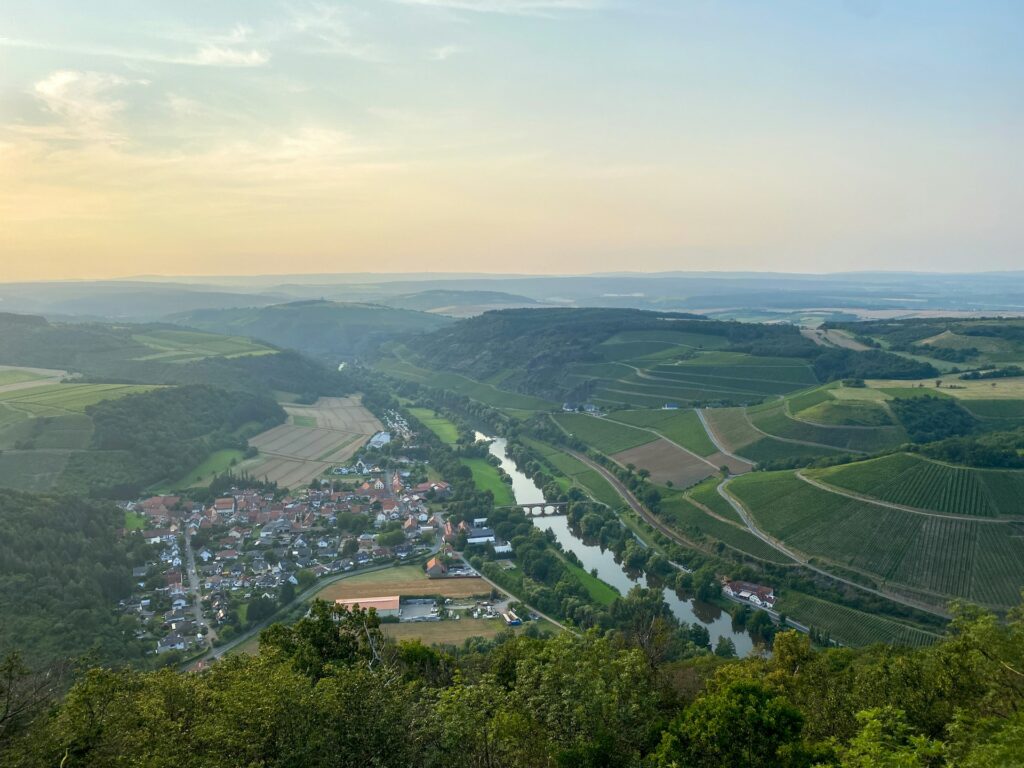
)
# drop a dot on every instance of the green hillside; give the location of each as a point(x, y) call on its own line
point(939, 556)
point(913, 481)
point(323, 329)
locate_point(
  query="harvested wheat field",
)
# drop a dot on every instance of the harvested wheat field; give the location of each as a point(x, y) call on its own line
point(315, 438)
point(405, 581)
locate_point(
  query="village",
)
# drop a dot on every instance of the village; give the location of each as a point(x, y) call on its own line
point(220, 567)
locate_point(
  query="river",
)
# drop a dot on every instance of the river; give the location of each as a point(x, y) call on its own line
point(717, 621)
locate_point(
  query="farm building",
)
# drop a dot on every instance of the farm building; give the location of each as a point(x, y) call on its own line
point(435, 568)
point(757, 594)
point(385, 606)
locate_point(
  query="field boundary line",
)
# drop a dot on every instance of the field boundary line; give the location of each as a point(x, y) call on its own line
point(799, 442)
point(804, 560)
point(716, 439)
point(1001, 520)
point(794, 417)
point(666, 439)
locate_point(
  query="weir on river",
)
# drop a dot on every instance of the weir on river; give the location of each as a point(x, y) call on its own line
point(527, 494)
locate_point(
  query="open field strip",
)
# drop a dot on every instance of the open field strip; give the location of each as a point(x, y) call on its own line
point(181, 346)
point(984, 389)
point(58, 399)
point(346, 414)
point(446, 432)
point(404, 581)
point(486, 478)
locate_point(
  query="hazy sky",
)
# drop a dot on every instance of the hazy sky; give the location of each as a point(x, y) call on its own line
point(248, 136)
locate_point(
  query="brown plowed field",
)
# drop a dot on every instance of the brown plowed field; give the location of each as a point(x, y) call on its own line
point(667, 461)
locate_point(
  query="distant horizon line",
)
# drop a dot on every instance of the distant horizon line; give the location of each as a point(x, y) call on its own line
point(427, 276)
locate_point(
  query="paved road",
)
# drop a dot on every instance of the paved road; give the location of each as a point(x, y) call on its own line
point(803, 560)
point(718, 443)
point(197, 594)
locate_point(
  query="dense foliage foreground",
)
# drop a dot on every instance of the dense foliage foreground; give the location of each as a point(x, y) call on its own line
point(330, 691)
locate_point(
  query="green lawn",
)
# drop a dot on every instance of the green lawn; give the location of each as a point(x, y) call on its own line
point(487, 478)
point(446, 432)
point(216, 463)
point(133, 521)
point(601, 593)
point(17, 376)
point(304, 421)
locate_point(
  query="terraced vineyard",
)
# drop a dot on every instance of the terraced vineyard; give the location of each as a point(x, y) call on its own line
point(60, 399)
point(774, 419)
point(707, 494)
point(914, 481)
point(735, 431)
point(850, 626)
point(978, 560)
point(680, 513)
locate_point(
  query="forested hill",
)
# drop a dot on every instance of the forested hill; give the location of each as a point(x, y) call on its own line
point(331, 691)
point(63, 567)
point(324, 329)
point(161, 354)
point(530, 349)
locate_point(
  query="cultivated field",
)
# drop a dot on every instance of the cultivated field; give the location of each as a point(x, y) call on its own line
point(405, 581)
point(667, 463)
point(293, 454)
point(173, 346)
point(914, 481)
point(59, 399)
point(679, 426)
point(444, 632)
point(603, 435)
point(992, 389)
point(976, 559)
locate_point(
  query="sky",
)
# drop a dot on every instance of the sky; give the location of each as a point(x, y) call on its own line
point(509, 136)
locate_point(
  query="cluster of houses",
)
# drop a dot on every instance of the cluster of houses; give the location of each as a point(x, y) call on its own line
point(249, 544)
point(397, 424)
point(476, 533)
point(756, 594)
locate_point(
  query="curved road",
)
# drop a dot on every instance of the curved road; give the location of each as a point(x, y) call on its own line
point(803, 560)
point(1001, 520)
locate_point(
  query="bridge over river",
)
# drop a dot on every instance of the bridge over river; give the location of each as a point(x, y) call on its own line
point(540, 509)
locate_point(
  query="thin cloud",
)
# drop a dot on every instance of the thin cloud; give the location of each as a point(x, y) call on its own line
point(328, 30)
point(510, 7)
point(84, 101)
point(207, 55)
point(444, 52)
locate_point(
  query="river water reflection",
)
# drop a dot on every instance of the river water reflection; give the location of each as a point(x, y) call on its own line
point(718, 622)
